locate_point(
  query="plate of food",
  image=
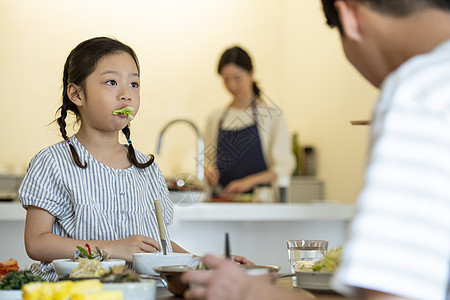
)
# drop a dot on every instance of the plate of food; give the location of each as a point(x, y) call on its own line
point(12, 279)
point(85, 263)
point(317, 278)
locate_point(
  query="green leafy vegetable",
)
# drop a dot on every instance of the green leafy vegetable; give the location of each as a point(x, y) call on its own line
point(82, 250)
point(14, 280)
point(86, 252)
point(330, 262)
point(127, 111)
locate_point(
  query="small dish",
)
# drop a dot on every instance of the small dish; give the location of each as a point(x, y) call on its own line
point(315, 281)
point(172, 275)
point(63, 267)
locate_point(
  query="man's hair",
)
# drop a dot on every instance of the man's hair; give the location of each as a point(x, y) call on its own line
point(397, 8)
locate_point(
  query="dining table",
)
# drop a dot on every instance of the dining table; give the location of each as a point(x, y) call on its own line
point(162, 293)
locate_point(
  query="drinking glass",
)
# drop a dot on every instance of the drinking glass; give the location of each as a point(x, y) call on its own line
point(304, 253)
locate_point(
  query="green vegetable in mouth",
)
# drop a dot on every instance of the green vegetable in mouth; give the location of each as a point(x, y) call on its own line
point(127, 111)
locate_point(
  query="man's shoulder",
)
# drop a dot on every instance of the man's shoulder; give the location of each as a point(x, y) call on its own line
point(423, 78)
point(434, 63)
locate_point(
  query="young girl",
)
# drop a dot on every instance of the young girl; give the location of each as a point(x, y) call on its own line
point(90, 188)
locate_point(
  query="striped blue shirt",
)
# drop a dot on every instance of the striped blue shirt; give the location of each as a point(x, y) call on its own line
point(96, 203)
point(399, 241)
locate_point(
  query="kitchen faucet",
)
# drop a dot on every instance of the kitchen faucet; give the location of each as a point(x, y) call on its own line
point(200, 145)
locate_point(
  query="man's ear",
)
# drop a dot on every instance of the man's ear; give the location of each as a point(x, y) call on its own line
point(348, 15)
point(75, 94)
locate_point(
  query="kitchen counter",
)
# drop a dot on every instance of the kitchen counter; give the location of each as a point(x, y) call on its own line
point(13, 211)
point(264, 212)
point(257, 231)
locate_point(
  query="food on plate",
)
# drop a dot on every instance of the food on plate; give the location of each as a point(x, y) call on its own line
point(89, 262)
point(88, 268)
point(86, 252)
point(120, 274)
point(246, 197)
point(14, 280)
point(91, 289)
point(8, 266)
point(127, 111)
point(328, 264)
point(90, 265)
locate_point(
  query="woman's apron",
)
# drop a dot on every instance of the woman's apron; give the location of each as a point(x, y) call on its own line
point(239, 152)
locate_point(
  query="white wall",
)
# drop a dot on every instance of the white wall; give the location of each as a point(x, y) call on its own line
point(298, 63)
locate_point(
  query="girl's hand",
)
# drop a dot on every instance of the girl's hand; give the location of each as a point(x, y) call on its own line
point(125, 248)
point(242, 260)
point(212, 176)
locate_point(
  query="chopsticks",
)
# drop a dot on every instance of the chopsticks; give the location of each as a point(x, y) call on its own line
point(227, 247)
point(362, 122)
point(162, 231)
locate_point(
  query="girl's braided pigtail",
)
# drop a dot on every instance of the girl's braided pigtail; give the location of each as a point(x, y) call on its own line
point(132, 154)
point(62, 129)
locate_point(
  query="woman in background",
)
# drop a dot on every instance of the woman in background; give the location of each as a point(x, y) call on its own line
point(250, 135)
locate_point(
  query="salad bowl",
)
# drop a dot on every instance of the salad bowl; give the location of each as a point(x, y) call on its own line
point(63, 267)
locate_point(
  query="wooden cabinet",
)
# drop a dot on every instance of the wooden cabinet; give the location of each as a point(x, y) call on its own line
point(305, 189)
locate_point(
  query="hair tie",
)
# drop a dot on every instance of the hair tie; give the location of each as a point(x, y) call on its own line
point(69, 142)
point(129, 142)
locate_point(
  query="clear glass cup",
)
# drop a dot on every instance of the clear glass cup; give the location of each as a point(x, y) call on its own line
point(304, 253)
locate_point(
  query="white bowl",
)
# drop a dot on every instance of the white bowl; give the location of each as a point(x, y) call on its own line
point(63, 267)
point(314, 280)
point(143, 263)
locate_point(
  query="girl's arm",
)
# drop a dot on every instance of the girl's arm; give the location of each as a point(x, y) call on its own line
point(43, 245)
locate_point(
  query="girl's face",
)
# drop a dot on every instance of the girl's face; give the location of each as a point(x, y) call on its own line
point(114, 84)
point(237, 80)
